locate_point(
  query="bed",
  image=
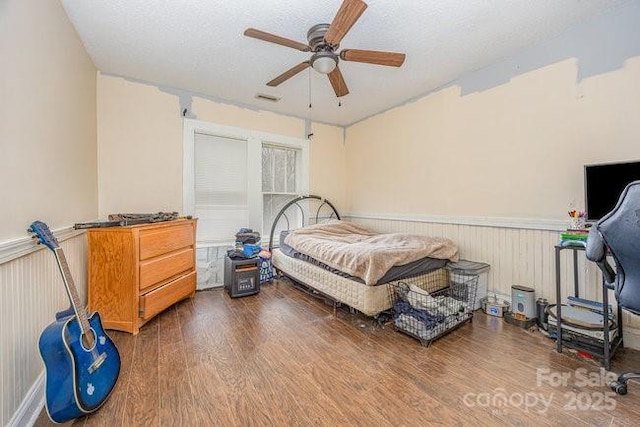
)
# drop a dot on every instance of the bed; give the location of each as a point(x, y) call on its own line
point(368, 294)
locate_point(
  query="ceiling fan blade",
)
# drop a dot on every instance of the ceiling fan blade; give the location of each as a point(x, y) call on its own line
point(337, 81)
point(289, 73)
point(347, 15)
point(268, 37)
point(391, 59)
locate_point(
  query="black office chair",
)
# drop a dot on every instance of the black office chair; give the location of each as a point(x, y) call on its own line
point(619, 233)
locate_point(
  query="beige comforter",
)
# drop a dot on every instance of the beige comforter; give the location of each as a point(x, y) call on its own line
point(359, 252)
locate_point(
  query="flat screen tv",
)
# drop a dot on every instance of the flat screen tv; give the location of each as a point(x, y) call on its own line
point(603, 185)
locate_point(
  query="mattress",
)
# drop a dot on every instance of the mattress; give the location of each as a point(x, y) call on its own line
point(367, 299)
point(397, 272)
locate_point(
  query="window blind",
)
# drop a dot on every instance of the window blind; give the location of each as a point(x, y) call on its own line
point(221, 189)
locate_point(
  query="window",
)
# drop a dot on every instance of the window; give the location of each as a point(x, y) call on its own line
point(234, 178)
point(279, 166)
point(280, 175)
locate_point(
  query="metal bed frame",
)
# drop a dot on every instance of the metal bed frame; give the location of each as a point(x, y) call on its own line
point(305, 219)
point(296, 202)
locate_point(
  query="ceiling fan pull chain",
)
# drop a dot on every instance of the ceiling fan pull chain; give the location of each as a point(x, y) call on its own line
point(309, 74)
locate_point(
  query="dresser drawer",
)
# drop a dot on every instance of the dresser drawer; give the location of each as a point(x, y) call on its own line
point(135, 272)
point(157, 300)
point(164, 240)
point(158, 269)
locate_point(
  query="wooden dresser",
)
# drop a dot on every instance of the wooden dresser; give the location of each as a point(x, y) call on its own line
point(135, 272)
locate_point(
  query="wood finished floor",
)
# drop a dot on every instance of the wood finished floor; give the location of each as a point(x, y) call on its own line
point(281, 358)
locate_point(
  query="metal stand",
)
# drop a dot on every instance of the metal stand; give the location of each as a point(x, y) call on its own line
point(608, 348)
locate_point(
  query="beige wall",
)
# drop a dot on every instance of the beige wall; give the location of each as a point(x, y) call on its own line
point(47, 172)
point(515, 150)
point(258, 120)
point(48, 120)
point(139, 148)
point(140, 145)
point(497, 169)
point(328, 165)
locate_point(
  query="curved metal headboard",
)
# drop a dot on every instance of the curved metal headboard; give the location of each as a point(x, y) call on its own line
point(296, 202)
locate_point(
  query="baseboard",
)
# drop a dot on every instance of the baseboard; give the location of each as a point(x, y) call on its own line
point(631, 338)
point(31, 406)
point(500, 296)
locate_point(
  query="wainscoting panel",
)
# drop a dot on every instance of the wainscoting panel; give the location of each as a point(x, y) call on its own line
point(518, 256)
point(31, 292)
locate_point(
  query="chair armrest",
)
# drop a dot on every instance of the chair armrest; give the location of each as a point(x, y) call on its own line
point(597, 252)
point(596, 249)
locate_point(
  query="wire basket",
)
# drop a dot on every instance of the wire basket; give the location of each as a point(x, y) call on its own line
point(430, 310)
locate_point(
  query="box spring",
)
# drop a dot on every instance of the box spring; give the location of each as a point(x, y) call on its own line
point(369, 300)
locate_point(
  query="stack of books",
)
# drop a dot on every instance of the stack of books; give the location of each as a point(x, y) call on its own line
point(574, 237)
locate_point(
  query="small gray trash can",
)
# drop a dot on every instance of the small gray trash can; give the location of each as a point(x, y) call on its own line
point(474, 268)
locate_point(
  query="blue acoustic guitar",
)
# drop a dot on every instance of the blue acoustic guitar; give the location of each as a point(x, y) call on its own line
point(82, 363)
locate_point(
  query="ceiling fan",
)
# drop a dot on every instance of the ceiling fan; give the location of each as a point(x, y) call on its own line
point(324, 41)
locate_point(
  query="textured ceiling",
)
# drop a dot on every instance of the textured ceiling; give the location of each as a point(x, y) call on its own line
point(198, 46)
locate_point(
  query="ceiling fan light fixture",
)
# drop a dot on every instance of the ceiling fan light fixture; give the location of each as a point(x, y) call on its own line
point(324, 62)
point(324, 41)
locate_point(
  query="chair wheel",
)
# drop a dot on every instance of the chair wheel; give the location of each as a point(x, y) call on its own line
point(618, 387)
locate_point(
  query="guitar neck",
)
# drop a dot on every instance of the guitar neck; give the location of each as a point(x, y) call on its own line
point(70, 286)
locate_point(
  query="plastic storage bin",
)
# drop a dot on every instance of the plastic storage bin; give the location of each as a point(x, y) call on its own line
point(474, 268)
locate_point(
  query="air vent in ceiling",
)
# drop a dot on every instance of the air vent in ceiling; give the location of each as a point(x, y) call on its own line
point(270, 98)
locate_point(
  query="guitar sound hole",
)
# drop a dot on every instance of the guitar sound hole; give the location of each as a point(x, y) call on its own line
point(88, 339)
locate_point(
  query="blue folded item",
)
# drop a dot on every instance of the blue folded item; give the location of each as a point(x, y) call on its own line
point(251, 250)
